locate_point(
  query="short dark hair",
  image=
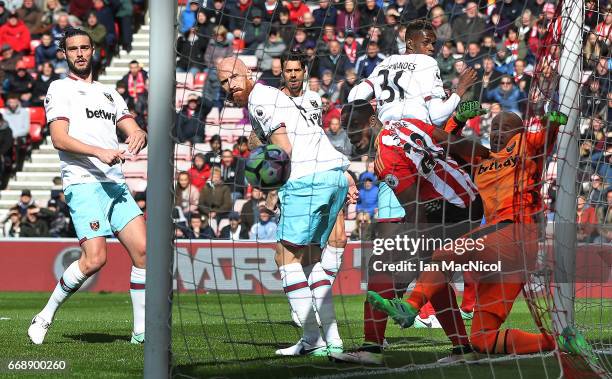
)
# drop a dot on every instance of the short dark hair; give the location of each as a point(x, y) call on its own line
point(134, 61)
point(372, 43)
point(73, 32)
point(294, 55)
point(416, 26)
point(357, 110)
point(216, 138)
point(241, 140)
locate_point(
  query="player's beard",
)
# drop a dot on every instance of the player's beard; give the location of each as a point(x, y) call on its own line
point(80, 72)
point(241, 98)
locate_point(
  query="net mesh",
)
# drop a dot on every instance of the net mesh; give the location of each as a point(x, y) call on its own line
point(229, 312)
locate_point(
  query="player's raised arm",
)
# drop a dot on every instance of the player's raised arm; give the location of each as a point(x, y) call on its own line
point(362, 91)
point(440, 109)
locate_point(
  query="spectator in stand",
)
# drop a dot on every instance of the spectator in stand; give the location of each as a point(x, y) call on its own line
point(370, 170)
point(595, 198)
point(25, 201)
point(272, 77)
point(232, 172)
point(217, 15)
point(592, 99)
point(330, 111)
point(189, 123)
point(485, 123)
point(41, 85)
point(314, 84)
point(297, 9)
point(364, 231)
point(348, 18)
point(473, 56)
point(234, 231)
point(188, 16)
point(203, 26)
point(516, 46)
point(351, 47)
point(79, 8)
point(213, 157)
point(299, 41)
point(264, 229)
point(136, 81)
point(59, 224)
point(45, 52)
point(604, 219)
point(6, 152)
point(191, 48)
point(215, 197)
point(602, 74)
point(186, 195)
point(3, 13)
point(21, 84)
point(199, 228)
point(241, 148)
point(270, 10)
point(536, 37)
point(255, 32)
point(446, 62)
point(199, 171)
point(32, 18)
point(368, 195)
point(524, 24)
point(349, 82)
point(489, 78)
point(57, 31)
point(335, 62)
point(370, 14)
point(123, 16)
point(586, 220)
point(507, 94)
point(326, 13)
point(61, 64)
point(286, 29)
point(503, 61)
point(32, 225)
point(16, 34)
point(338, 137)
point(272, 48)
point(97, 32)
point(250, 209)
point(330, 87)
point(51, 11)
point(367, 63)
point(604, 28)
point(441, 26)
point(219, 47)
point(521, 78)
point(12, 226)
point(106, 18)
point(312, 30)
point(468, 27)
point(18, 119)
point(592, 50)
point(591, 14)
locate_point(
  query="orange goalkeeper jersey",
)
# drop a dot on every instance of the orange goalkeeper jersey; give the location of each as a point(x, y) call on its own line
point(509, 181)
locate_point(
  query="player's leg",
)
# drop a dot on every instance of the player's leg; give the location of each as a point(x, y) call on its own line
point(468, 302)
point(495, 302)
point(332, 188)
point(88, 205)
point(128, 223)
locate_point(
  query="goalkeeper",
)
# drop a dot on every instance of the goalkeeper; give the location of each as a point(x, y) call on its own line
point(507, 177)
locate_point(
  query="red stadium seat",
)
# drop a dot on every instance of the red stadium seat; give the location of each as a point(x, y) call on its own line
point(37, 115)
point(136, 184)
point(199, 80)
point(135, 169)
point(36, 134)
point(182, 152)
point(239, 204)
point(184, 80)
point(222, 224)
point(34, 44)
point(30, 61)
point(1, 102)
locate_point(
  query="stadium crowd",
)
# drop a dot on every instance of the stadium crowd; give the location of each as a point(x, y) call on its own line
point(344, 41)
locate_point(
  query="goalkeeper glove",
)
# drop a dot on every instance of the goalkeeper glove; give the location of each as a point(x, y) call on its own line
point(555, 117)
point(469, 109)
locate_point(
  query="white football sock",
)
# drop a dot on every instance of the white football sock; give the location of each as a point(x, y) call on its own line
point(69, 283)
point(296, 287)
point(321, 288)
point(137, 292)
point(331, 260)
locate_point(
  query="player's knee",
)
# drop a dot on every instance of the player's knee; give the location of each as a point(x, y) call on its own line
point(94, 263)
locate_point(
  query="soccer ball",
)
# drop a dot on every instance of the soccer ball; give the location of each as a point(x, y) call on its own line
point(268, 167)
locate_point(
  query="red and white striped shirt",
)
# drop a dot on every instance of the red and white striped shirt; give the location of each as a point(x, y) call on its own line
point(406, 151)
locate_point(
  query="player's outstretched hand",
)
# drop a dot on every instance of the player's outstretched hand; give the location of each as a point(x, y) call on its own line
point(466, 79)
point(136, 141)
point(468, 110)
point(555, 117)
point(110, 156)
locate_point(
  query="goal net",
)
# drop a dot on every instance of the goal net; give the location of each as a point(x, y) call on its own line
point(229, 312)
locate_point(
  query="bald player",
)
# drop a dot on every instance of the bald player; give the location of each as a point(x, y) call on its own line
point(310, 202)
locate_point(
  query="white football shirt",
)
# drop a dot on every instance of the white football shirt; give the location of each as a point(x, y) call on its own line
point(312, 104)
point(270, 109)
point(92, 111)
point(404, 87)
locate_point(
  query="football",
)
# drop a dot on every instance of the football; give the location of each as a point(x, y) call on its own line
point(268, 167)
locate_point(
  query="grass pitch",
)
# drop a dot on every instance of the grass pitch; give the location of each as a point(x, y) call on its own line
point(232, 336)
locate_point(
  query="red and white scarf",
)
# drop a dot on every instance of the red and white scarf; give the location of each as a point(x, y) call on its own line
point(138, 87)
